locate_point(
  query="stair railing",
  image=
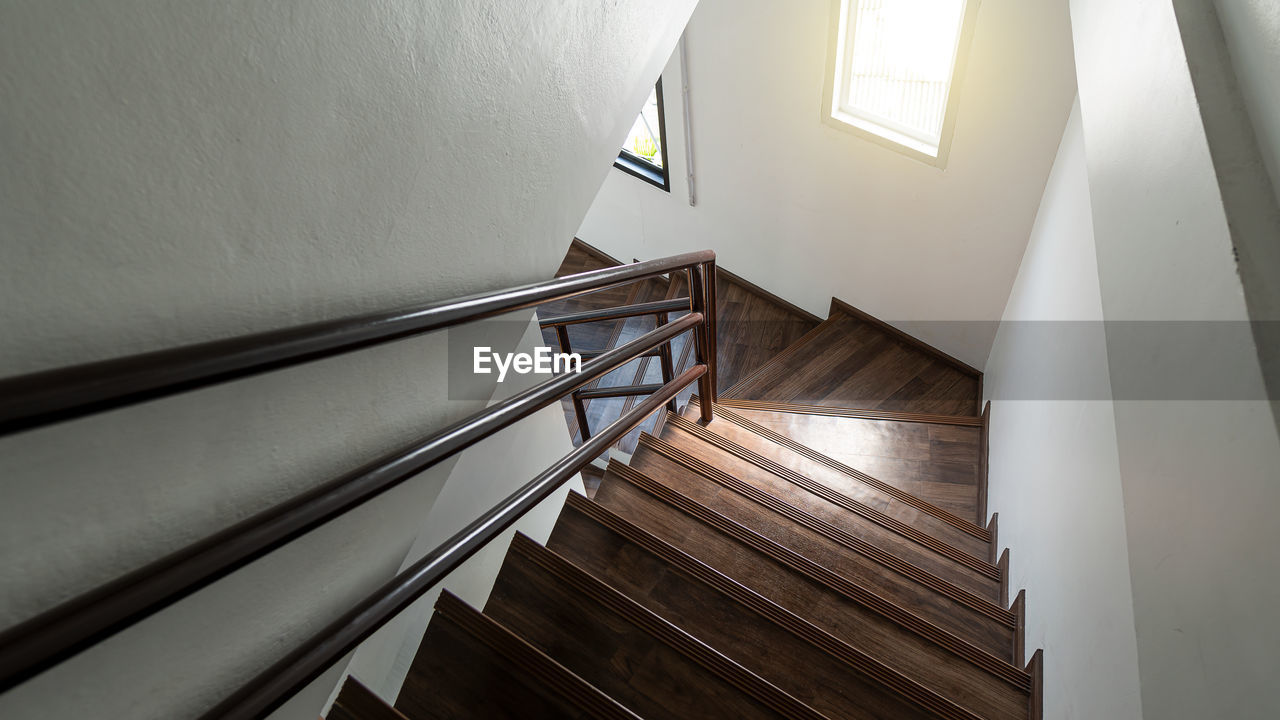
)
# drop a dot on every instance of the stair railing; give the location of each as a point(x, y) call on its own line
point(660, 310)
point(48, 397)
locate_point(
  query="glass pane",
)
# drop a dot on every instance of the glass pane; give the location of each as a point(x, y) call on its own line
point(903, 53)
point(645, 141)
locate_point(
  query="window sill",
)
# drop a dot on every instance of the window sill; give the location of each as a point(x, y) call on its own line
point(650, 173)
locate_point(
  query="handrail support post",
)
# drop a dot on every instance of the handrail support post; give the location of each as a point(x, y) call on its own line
point(701, 338)
point(664, 357)
point(579, 407)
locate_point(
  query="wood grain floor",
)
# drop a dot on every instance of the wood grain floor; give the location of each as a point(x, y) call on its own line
point(933, 461)
point(847, 362)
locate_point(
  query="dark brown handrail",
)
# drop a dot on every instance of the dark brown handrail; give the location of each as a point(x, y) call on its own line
point(592, 354)
point(47, 639)
point(42, 398)
point(616, 391)
point(657, 307)
point(273, 686)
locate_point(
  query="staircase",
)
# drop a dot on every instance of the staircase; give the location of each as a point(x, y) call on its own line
point(819, 549)
point(804, 537)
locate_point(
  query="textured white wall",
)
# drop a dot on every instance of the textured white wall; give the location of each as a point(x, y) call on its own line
point(1054, 465)
point(171, 173)
point(808, 211)
point(1199, 477)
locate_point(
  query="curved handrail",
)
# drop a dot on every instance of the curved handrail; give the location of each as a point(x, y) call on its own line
point(42, 398)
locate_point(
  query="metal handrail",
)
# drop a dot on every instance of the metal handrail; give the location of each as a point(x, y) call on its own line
point(657, 307)
point(616, 391)
point(47, 397)
point(57, 634)
point(51, 396)
point(270, 688)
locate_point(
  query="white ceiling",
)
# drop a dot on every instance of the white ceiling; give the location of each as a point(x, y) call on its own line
point(808, 211)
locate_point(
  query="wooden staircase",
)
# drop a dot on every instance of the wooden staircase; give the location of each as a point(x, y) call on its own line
point(796, 557)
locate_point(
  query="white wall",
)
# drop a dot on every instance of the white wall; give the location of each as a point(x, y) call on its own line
point(1054, 465)
point(808, 211)
point(1228, 90)
point(174, 173)
point(1199, 477)
point(1252, 31)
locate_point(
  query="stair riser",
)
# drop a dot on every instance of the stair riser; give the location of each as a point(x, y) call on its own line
point(684, 600)
point(607, 650)
point(717, 547)
point(918, 516)
point(850, 516)
point(455, 671)
point(808, 535)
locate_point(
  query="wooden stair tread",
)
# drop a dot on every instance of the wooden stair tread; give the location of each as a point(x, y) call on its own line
point(751, 328)
point(863, 521)
point(850, 412)
point(765, 639)
point(799, 529)
point(852, 361)
point(939, 463)
point(763, 636)
point(792, 454)
point(357, 702)
point(751, 557)
point(819, 548)
point(470, 666)
point(649, 665)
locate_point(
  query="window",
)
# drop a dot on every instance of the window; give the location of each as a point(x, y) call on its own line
point(644, 154)
point(894, 67)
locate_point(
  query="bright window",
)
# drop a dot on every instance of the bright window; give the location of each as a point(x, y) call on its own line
point(895, 66)
point(644, 153)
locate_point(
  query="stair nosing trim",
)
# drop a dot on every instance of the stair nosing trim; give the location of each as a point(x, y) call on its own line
point(771, 364)
point(829, 531)
point(853, 413)
point(540, 666)
point(944, 515)
point(839, 499)
point(826, 642)
point(730, 672)
point(821, 575)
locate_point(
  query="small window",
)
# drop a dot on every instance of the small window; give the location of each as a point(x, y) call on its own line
point(644, 154)
point(894, 69)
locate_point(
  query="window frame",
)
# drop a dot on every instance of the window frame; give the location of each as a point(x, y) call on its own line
point(837, 114)
point(636, 166)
